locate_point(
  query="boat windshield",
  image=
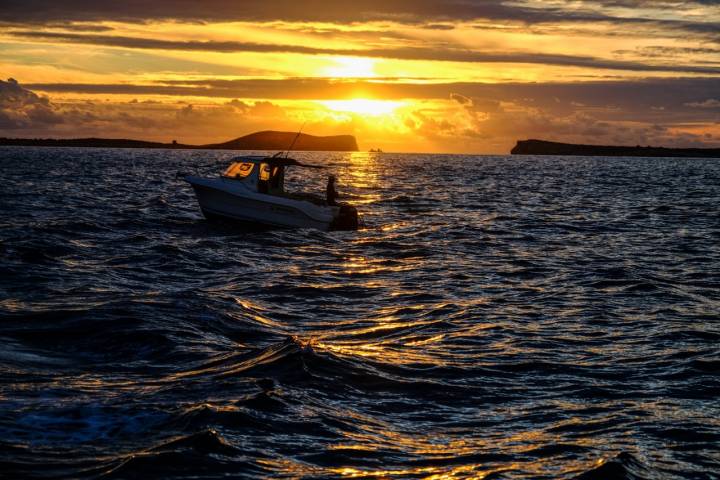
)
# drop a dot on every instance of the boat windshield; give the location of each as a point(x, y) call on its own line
point(265, 171)
point(239, 170)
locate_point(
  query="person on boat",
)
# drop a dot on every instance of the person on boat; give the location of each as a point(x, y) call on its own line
point(331, 194)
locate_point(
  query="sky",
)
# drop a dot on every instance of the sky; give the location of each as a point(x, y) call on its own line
point(453, 76)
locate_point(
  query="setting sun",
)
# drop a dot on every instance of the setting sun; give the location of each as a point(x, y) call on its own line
point(351, 67)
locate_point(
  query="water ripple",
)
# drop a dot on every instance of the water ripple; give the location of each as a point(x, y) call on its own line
point(496, 317)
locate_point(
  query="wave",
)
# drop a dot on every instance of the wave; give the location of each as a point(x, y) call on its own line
point(501, 318)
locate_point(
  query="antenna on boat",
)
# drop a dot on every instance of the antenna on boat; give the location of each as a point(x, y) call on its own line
point(295, 139)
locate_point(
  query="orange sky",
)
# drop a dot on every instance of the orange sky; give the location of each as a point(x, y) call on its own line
point(424, 75)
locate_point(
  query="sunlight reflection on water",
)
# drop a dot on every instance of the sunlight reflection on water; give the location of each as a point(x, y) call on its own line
point(496, 316)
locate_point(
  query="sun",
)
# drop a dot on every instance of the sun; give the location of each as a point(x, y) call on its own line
point(363, 106)
point(351, 67)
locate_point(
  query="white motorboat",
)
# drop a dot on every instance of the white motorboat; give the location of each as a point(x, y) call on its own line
point(252, 191)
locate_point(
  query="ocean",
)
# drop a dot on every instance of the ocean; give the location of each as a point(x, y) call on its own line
point(496, 317)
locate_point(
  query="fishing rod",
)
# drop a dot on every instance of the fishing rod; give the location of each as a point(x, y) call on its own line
point(295, 139)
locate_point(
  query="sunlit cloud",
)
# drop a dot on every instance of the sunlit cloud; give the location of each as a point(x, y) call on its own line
point(363, 106)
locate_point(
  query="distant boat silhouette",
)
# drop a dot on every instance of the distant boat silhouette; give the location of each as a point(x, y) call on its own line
point(375, 150)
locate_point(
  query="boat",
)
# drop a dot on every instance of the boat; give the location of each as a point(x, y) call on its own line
point(252, 191)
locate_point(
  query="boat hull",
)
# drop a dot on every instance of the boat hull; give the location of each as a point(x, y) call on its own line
point(219, 204)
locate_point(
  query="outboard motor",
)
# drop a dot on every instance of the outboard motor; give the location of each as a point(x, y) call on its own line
point(347, 218)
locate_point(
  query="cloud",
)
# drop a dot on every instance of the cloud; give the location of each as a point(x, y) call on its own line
point(640, 99)
point(266, 109)
point(654, 51)
point(252, 10)
point(402, 11)
point(455, 117)
point(67, 26)
point(158, 44)
point(709, 103)
point(497, 129)
point(20, 108)
point(401, 53)
point(438, 26)
point(238, 105)
point(24, 113)
point(461, 99)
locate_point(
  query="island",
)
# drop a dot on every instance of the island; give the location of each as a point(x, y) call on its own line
point(266, 140)
point(542, 147)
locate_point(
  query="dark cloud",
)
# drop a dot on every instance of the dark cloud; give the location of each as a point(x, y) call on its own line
point(461, 99)
point(158, 44)
point(342, 11)
point(439, 26)
point(68, 26)
point(402, 53)
point(634, 4)
point(257, 10)
point(709, 103)
point(20, 107)
point(254, 10)
point(655, 51)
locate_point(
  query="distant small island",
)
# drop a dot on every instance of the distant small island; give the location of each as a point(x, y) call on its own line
point(266, 140)
point(542, 147)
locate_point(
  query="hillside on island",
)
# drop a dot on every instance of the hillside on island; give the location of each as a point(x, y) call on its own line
point(267, 140)
point(542, 147)
point(272, 140)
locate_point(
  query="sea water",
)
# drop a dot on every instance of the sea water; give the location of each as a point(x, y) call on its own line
point(498, 317)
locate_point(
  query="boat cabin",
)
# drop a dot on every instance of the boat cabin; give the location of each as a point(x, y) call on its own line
point(262, 174)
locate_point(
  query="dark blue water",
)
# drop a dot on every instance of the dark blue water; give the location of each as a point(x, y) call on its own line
point(498, 317)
